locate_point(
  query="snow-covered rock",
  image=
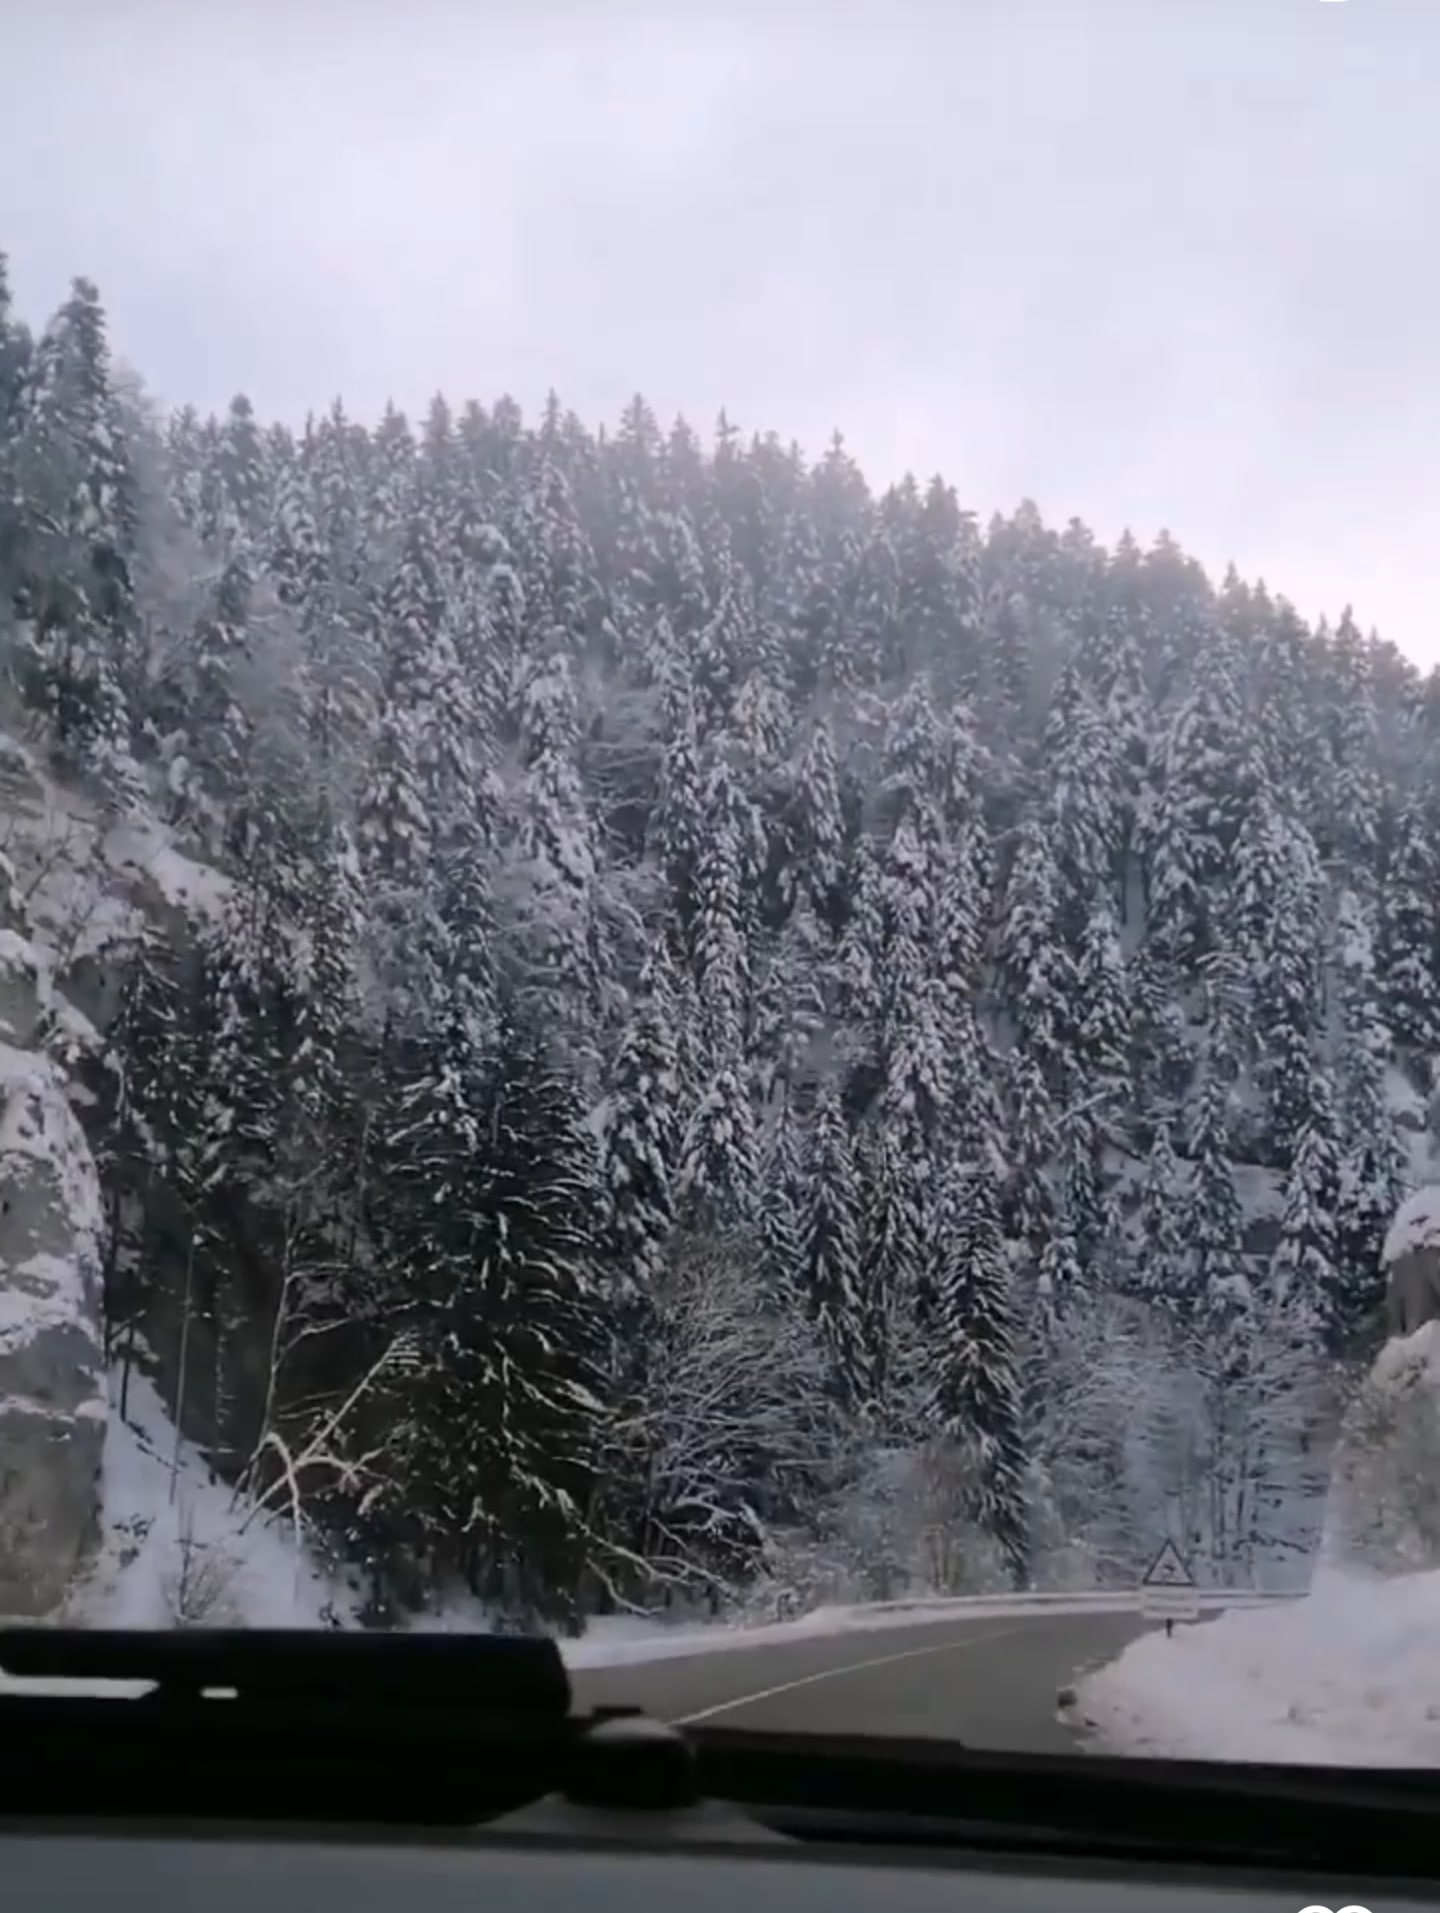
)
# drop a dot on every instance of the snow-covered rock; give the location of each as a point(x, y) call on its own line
point(1411, 1255)
point(1416, 1225)
point(1383, 1511)
point(52, 1396)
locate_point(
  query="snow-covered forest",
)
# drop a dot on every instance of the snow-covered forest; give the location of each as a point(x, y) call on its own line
point(757, 1041)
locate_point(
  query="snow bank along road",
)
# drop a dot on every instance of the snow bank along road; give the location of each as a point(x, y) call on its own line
point(990, 1679)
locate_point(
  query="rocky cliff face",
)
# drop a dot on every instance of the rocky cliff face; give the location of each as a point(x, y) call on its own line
point(75, 884)
point(52, 1378)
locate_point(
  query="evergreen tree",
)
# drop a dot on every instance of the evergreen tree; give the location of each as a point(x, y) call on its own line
point(76, 588)
point(1410, 935)
point(1160, 1264)
point(1305, 1265)
point(639, 1141)
point(782, 1214)
point(499, 1428)
point(1035, 967)
point(1373, 1169)
point(977, 1397)
point(1215, 1282)
point(1101, 1015)
point(831, 1251)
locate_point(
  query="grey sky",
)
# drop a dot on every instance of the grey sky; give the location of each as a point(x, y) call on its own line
point(1157, 262)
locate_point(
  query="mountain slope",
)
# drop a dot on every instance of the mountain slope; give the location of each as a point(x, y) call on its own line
point(728, 1040)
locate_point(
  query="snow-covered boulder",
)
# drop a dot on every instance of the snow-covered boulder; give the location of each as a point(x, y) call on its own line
point(1411, 1255)
point(1383, 1511)
point(52, 1389)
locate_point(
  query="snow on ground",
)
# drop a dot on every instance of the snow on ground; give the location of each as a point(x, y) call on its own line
point(142, 847)
point(1349, 1675)
point(180, 1548)
point(623, 1641)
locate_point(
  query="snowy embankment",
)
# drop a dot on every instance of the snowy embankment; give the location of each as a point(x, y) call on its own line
point(180, 1548)
point(619, 1642)
point(1349, 1675)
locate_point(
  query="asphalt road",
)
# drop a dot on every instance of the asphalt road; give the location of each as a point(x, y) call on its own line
point(990, 1683)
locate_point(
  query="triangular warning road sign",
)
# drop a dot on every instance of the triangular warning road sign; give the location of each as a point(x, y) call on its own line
point(1167, 1570)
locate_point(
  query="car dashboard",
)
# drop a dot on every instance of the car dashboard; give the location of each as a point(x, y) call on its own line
point(76, 1870)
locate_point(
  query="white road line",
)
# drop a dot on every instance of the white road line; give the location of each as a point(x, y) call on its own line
point(859, 1667)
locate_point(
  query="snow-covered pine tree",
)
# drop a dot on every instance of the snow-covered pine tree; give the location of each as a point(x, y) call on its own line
point(976, 1406)
point(831, 1250)
point(639, 1139)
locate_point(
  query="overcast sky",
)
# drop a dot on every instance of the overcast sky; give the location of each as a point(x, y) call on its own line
point(1155, 262)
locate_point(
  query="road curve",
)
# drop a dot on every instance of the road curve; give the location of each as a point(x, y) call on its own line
point(989, 1682)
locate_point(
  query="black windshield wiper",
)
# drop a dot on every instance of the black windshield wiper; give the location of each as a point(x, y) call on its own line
point(923, 1792)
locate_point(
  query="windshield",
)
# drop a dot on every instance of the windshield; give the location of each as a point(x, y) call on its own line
point(636, 1000)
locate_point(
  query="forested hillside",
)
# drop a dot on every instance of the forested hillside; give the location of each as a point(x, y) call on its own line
point(760, 1041)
